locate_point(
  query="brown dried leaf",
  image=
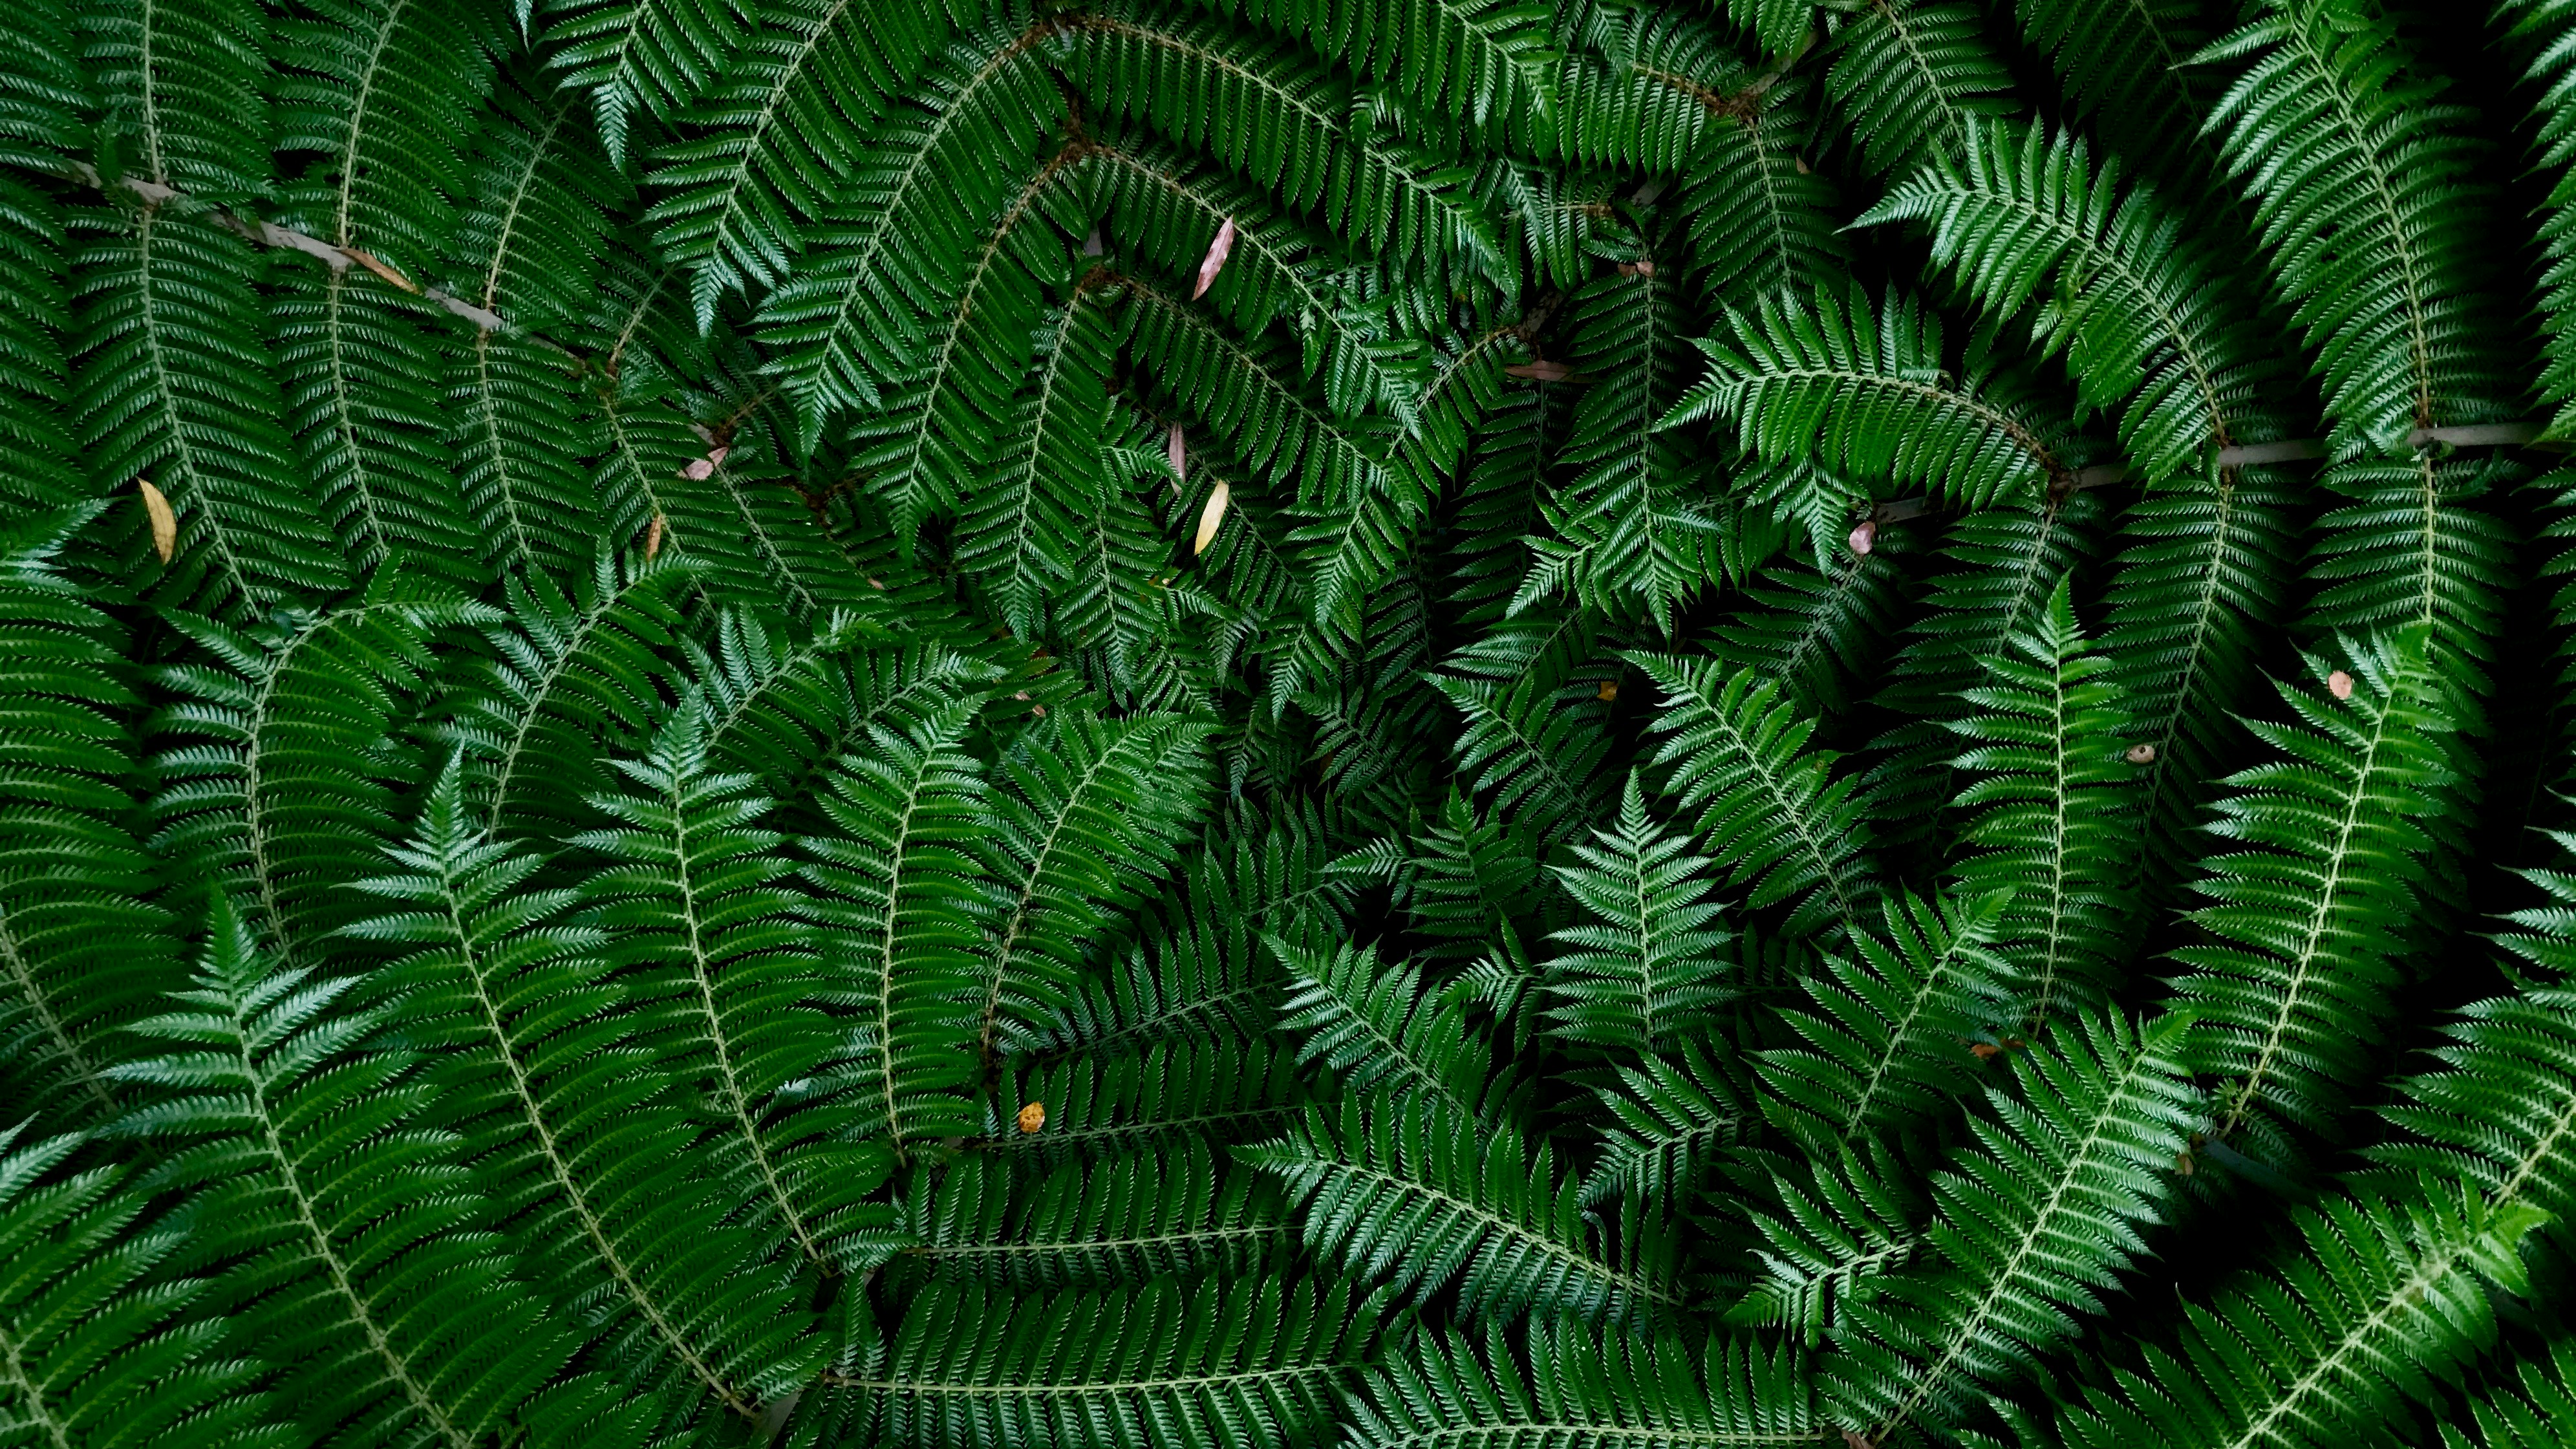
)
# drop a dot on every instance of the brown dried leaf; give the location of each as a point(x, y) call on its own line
point(1539, 371)
point(1218, 250)
point(653, 537)
point(375, 264)
point(1033, 1116)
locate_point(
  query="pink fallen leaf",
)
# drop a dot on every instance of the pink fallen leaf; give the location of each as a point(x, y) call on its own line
point(1211, 517)
point(1214, 262)
point(1865, 537)
point(2339, 684)
point(1176, 453)
point(698, 468)
point(717, 456)
point(165, 524)
point(1539, 371)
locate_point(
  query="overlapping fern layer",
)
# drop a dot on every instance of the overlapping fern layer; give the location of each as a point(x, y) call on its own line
point(1466, 723)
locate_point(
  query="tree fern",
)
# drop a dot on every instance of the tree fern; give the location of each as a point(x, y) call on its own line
point(1382, 1030)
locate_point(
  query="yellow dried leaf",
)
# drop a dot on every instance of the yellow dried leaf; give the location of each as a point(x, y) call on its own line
point(1033, 1117)
point(1212, 517)
point(165, 524)
point(653, 537)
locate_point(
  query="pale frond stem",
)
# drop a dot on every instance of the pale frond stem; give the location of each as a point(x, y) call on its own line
point(505, 769)
point(891, 204)
point(1244, 1118)
point(60, 1044)
point(2306, 964)
point(371, 542)
point(1513, 1232)
point(2398, 236)
point(2560, 1136)
point(1784, 807)
point(2061, 795)
point(365, 91)
point(937, 1251)
point(291, 1177)
point(166, 385)
point(522, 1092)
point(1539, 1432)
point(2206, 617)
point(487, 420)
point(27, 1399)
point(702, 975)
point(1037, 870)
point(1900, 1031)
point(520, 190)
point(1177, 1384)
point(2116, 1110)
point(2282, 1420)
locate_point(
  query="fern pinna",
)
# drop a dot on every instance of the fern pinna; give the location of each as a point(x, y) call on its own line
point(1500, 724)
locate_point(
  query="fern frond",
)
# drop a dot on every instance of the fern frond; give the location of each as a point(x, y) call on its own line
point(1089, 811)
point(2544, 1413)
point(2500, 1116)
point(514, 424)
point(83, 950)
point(2125, 67)
point(283, 775)
point(770, 141)
point(2154, 330)
point(1671, 1118)
point(901, 896)
point(1541, 757)
point(2350, 1332)
point(1768, 810)
point(1256, 1361)
point(171, 386)
point(1483, 63)
point(1912, 76)
point(1816, 631)
point(936, 171)
point(2410, 549)
point(650, 55)
point(382, 1288)
point(571, 1123)
point(2309, 911)
point(1867, 392)
point(2056, 800)
point(99, 1352)
point(185, 92)
point(1419, 1195)
point(1647, 977)
point(2033, 1218)
point(1382, 1030)
point(1895, 1023)
point(1119, 1220)
point(1183, 1087)
point(2360, 177)
point(711, 940)
point(1572, 1386)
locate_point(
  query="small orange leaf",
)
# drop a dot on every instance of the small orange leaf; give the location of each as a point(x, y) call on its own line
point(1984, 1051)
point(1218, 250)
point(1609, 691)
point(2339, 684)
point(377, 265)
point(165, 524)
point(1033, 1117)
point(1212, 517)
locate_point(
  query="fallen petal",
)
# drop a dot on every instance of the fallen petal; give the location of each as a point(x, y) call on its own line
point(1175, 453)
point(2339, 684)
point(698, 468)
point(1865, 537)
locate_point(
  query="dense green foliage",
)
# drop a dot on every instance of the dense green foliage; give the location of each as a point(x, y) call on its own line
point(1466, 723)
